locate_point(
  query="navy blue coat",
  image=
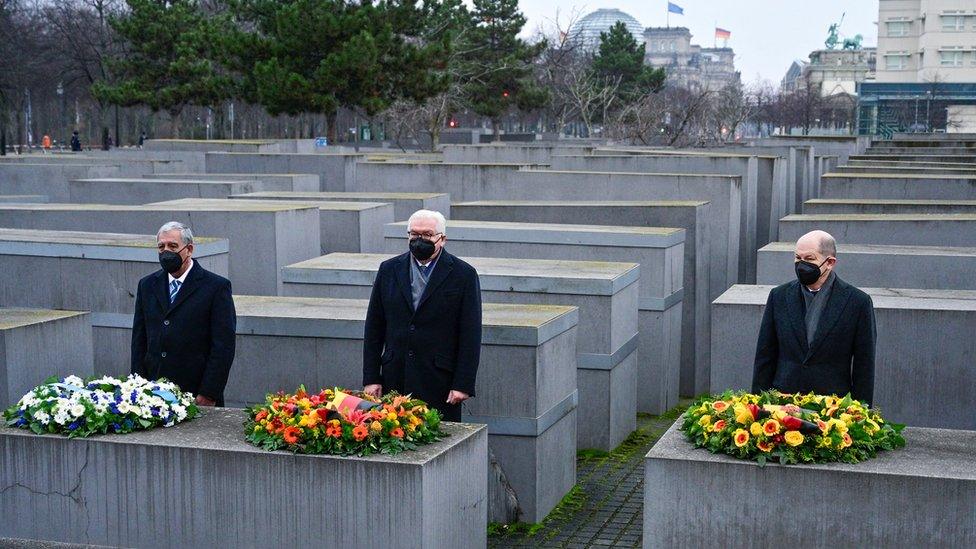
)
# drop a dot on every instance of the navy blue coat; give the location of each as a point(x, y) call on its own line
point(430, 351)
point(840, 359)
point(190, 342)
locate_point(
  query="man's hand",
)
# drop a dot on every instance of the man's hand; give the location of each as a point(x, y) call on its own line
point(375, 390)
point(204, 401)
point(457, 397)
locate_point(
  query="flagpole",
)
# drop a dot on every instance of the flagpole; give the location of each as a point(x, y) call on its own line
point(667, 15)
point(714, 36)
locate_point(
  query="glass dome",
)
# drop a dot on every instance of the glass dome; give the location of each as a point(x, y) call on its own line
point(586, 32)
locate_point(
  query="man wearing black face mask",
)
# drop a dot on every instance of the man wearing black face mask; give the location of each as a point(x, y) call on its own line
point(423, 325)
point(818, 332)
point(184, 326)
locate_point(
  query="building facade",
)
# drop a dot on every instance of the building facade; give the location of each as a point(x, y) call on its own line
point(689, 65)
point(585, 33)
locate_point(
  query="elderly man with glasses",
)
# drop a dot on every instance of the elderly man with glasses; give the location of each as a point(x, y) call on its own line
point(423, 325)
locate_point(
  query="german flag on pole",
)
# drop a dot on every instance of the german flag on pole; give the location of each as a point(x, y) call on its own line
point(722, 33)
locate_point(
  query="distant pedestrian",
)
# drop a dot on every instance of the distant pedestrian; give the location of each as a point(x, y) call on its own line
point(75, 142)
point(46, 142)
point(142, 139)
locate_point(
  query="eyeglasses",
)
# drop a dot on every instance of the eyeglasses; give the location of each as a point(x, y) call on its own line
point(426, 236)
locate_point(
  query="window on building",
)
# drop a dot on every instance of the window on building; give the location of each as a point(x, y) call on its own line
point(897, 62)
point(672, 45)
point(951, 58)
point(953, 22)
point(898, 28)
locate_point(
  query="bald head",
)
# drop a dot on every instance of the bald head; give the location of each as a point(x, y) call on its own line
point(818, 242)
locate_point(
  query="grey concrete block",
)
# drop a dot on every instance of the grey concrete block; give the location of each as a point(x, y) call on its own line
point(527, 350)
point(882, 266)
point(461, 181)
point(511, 153)
point(336, 171)
point(924, 347)
point(181, 486)
point(605, 293)
point(293, 182)
point(692, 216)
point(144, 191)
point(280, 233)
point(907, 168)
point(344, 226)
point(38, 343)
point(887, 206)
point(96, 272)
point(404, 204)
point(659, 251)
point(937, 465)
point(24, 198)
point(921, 157)
point(212, 145)
point(898, 229)
point(50, 180)
point(910, 187)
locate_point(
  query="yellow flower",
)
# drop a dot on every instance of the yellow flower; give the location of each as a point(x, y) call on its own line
point(871, 427)
point(771, 427)
point(740, 437)
point(705, 420)
point(391, 416)
point(257, 428)
point(846, 418)
point(793, 438)
point(778, 415)
point(755, 429)
point(743, 415)
point(376, 426)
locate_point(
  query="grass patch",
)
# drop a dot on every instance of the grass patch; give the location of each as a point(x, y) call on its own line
point(587, 454)
point(572, 502)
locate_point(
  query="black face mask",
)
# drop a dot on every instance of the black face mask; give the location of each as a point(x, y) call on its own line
point(807, 272)
point(171, 261)
point(422, 249)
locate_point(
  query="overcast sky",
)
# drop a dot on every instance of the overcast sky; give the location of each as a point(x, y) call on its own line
point(767, 35)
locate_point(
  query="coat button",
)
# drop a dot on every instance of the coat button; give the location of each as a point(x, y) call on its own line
point(410, 354)
point(164, 354)
point(165, 323)
point(412, 327)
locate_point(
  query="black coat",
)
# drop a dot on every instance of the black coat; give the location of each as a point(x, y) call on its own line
point(430, 351)
point(840, 359)
point(190, 342)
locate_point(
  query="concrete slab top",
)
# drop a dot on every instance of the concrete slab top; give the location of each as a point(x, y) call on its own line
point(642, 174)
point(896, 176)
point(879, 249)
point(883, 298)
point(288, 154)
point(891, 202)
point(92, 239)
point(595, 203)
point(496, 274)
point(247, 176)
point(300, 195)
point(17, 317)
point(910, 167)
point(553, 233)
point(144, 181)
point(182, 205)
point(87, 245)
point(219, 430)
point(324, 205)
point(647, 152)
point(889, 163)
point(407, 162)
point(880, 217)
point(934, 453)
point(217, 141)
point(324, 308)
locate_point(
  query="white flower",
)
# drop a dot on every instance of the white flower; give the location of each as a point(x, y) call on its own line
point(74, 380)
point(43, 417)
point(61, 418)
point(77, 410)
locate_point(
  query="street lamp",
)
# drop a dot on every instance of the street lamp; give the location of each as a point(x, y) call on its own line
point(61, 105)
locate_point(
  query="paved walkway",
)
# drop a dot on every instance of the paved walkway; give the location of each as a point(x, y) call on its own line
point(605, 509)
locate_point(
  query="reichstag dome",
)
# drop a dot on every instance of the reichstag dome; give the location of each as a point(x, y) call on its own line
point(586, 32)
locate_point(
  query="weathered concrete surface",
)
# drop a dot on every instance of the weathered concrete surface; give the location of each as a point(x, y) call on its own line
point(924, 347)
point(693, 498)
point(281, 233)
point(50, 180)
point(910, 187)
point(899, 229)
point(527, 350)
point(39, 343)
point(882, 266)
point(344, 226)
point(404, 204)
point(887, 206)
point(213, 145)
point(145, 191)
point(659, 250)
point(604, 292)
point(24, 198)
point(692, 216)
point(296, 182)
point(906, 169)
point(336, 171)
point(161, 488)
point(97, 272)
point(521, 153)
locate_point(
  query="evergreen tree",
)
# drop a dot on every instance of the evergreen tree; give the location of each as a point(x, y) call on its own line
point(500, 63)
point(167, 59)
point(621, 58)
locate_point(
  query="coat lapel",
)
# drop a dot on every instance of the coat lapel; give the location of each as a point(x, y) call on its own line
point(190, 285)
point(161, 290)
point(403, 279)
point(840, 294)
point(445, 263)
point(794, 304)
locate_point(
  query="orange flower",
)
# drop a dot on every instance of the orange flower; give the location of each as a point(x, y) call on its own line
point(261, 415)
point(291, 434)
point(741, 437)
point(360, 432)
point(771, 427)
point(847, 441)
point(397, 433)
point(822, 425)
point(720, 405)
point(719, 425)
point(765, 446)
point(333, 431)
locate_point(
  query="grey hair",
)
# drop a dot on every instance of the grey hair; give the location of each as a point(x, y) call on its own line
point(828, 246)
point(429, 214)
point(186, 235)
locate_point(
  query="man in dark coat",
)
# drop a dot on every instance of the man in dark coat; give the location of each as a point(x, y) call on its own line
point(423, 325)
point(185, 325)
point(818, 332)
